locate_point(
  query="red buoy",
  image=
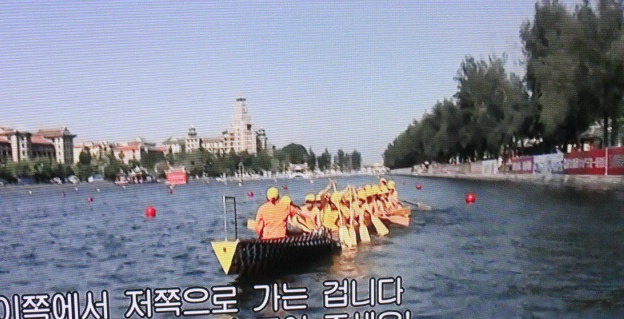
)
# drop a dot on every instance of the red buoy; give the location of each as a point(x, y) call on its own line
point(418, 186)
point(90, 199)
point(285, 187)
point(470, 198)
point(250, 194)
point(150, 212)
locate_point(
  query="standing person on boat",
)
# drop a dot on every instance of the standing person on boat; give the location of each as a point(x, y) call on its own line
point(272, 216)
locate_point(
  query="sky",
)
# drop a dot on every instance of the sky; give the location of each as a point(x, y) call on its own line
point(336, 75)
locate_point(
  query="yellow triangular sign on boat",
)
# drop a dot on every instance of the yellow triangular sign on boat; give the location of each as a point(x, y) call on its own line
point(225, 253)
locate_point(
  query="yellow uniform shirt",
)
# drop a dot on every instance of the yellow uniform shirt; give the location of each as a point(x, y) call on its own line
point(329, 218)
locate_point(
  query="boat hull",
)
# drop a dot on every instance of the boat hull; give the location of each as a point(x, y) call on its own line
point(255, 256)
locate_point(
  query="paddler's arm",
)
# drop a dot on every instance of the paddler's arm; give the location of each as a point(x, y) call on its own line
point(326, 189)
point(259, 223)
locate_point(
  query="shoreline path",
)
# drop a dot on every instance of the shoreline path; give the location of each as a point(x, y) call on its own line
point(597, 182)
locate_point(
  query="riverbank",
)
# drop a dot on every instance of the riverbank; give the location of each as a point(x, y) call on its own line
point(599, 182)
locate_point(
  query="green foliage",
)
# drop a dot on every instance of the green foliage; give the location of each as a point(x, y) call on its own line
point(20, 169)
point(356, 160)
point(150, 159)
point(262, 162)
point(114, 168)
point(324, 161)
point(84, 158)
point(490, 109)
point(574, 78)
point(311, 160)
point(575, 67)
point(295, 153)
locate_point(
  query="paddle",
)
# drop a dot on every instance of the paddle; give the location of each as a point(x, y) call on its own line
point(251, 224)
point(352, 232)
point(381, 229)
point(399, 220)
point(363, 230)
point(403, 211)
point(417, 205)
point(343, 232)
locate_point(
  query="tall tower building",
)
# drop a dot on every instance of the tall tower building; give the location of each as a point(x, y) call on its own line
point(192, 141)
point(241, 136)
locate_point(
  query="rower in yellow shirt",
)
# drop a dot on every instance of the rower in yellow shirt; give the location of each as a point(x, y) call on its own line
point(309, 211)
point(394, 194)
point(330, 213)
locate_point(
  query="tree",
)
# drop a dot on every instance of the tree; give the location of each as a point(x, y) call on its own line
point(575, 68)
point(356, 160)
point(20, 169)
point(340, 159)
point(490, 109)
point(84, 158)
point(115, 167)
point(261, 162)
point(295, 153)
point(42, 170)
point(311, 159)
point(324, 161)
point(150, 158)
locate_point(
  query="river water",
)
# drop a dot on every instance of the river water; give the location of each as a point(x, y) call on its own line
point(519, 252)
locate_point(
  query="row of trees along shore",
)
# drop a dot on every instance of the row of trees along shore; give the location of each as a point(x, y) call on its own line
point(203, 163)
point(197, 163)
point(574, 64)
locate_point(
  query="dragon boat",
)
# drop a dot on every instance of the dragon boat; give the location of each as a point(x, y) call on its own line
point(261, 256)
point(253, 256)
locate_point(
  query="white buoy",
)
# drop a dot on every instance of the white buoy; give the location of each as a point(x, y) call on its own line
point(29, 192)
point(76, 188)
point(97, 190)
point(240, 184)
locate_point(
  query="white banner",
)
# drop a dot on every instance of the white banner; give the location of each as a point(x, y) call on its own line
point(548, 164)
point(489, 167)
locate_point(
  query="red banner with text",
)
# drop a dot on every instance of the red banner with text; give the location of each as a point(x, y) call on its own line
point(616, 161)
point(585, 163)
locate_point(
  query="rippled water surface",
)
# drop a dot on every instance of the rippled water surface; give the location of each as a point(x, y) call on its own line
point(519, 252)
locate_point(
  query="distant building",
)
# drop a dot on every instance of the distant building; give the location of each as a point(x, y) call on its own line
point(98, 150)
point(192, 141)
point(63, 143)
point(241, 136)
point(173, 146)
point(262, 142)
point(56, 144)
point(5, 149)
point(122, 151)
point(135, 150)
point(214, 145)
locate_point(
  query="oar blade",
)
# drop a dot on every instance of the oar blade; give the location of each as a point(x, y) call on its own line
point(399, 220)
point(251, 224)
point(364, 234)
point(381, 229)
point(343, 234)
point(353, 236)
